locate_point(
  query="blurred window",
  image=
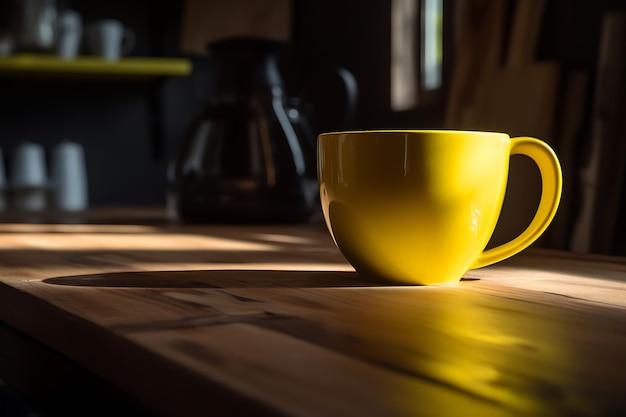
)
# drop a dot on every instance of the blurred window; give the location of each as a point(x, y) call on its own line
point(416, 51)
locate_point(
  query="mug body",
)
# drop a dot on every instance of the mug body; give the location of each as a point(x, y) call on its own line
point(412, 207)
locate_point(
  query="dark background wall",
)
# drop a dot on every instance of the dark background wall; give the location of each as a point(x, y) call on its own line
point(132, 129)
point(129, 127)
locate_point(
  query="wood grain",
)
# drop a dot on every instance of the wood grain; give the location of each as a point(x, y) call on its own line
point(271, 320)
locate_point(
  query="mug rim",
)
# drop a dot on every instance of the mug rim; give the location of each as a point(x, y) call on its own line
point(412, 131)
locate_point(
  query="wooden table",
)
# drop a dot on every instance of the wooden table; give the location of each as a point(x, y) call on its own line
point(271, 320)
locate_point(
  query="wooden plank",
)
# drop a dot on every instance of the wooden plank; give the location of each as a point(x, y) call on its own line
point(151, 380)
point(477, 53)
point(561, 277)
point(284, 371)
point(60, 386)
point(602, 178)
point(374, 324)
point(527, 21)
point(209, 21)
point(567, 138)
point(518, 101)
point(273, 317)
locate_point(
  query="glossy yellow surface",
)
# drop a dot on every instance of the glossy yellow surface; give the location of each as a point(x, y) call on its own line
point(419, 207)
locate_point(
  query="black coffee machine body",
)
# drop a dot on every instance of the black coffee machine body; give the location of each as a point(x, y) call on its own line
point(250, 156)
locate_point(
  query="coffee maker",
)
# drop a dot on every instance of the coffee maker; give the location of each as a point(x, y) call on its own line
point(250, 154)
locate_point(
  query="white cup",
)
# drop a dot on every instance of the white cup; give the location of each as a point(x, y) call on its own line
point(70, 27)
point(69, 176)
point(29, 166)
point(110, 39)
point(28, 177)
point(6, 45)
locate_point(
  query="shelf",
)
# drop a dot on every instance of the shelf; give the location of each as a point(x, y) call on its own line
point(42, 65)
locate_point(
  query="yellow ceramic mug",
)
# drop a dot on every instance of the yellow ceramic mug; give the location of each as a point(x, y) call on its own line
point(419, 207)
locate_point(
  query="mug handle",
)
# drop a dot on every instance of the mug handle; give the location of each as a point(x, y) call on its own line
point(551, 188)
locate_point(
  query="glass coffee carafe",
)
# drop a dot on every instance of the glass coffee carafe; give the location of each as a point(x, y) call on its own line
point(250, 155)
